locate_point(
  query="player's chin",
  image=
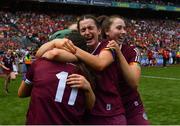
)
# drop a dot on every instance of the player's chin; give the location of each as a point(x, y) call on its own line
point(90, 43)
point(120, 41)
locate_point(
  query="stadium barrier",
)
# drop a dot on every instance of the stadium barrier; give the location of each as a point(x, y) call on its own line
point(113, 3)
point(158, 61)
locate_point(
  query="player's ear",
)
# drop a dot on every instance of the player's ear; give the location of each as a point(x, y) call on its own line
point(99, 31)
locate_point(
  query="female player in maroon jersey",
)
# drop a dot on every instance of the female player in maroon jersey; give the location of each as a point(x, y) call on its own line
point(4, 75)
point(52, 100)
point(8, 60)
point(113, 28)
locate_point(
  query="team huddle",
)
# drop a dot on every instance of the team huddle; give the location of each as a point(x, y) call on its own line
point(86, 74)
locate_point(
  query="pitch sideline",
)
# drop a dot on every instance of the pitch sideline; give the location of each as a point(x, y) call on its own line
point(167, 78)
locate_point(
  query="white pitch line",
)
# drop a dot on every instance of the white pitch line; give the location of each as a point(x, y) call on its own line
point(167, 78)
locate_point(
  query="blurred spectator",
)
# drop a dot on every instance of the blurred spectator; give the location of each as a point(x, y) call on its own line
point(165, 54)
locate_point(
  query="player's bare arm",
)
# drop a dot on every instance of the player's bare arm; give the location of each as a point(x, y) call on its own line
point(24, 89)
point(79, 81)
point(56, 43)
point(99, 62)
point(132, 71)
point(60, 55)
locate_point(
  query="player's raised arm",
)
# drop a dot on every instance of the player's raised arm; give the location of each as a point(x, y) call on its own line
point(60, 55)
point(44, 48)
point(98, 62)
point(56, 43)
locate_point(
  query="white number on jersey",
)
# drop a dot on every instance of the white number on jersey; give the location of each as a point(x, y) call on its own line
point(62, 76)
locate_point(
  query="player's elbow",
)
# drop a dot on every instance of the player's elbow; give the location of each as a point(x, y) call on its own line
point(90, 100)
point(100, 66)
point(24, 90)
point(91, 105)
point(53, 53)
point(37, 55)
point(134, 86)
point(20, 95)
point(133, 83)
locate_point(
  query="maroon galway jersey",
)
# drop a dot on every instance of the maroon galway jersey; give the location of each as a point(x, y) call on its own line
point(8, 62)
point(108, 99)
point(131, 98)
point(52, 101)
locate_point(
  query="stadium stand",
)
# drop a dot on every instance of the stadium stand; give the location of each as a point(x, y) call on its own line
point(25, 28)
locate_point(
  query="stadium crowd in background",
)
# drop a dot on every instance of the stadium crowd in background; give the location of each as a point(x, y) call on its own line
point(22, 30)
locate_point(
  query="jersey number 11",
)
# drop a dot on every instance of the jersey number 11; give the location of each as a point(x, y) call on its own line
point(62, 76)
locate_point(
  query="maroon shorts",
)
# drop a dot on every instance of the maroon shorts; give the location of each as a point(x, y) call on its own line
point(103, 120)
point(139, 119)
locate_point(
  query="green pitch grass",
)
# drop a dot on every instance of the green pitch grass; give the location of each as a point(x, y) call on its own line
point(12, 108)
point(161, 97)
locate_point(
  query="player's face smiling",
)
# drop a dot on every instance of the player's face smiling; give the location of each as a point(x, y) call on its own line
point(117, 30)
point(89, 30)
